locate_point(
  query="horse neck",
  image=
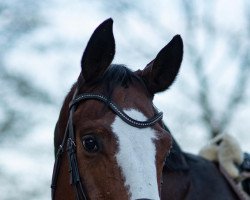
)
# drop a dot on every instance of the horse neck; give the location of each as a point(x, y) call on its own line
point(176, 161)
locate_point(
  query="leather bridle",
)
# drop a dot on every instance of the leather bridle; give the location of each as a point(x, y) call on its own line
point(69, 138)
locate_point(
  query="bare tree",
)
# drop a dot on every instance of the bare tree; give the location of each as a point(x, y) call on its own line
point(18, 18)
point(215, 119)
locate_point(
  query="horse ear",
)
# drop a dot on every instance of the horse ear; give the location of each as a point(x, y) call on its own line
point(160, 73)
point(99, 52)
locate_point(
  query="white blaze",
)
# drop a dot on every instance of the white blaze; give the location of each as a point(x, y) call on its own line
point(136, 157)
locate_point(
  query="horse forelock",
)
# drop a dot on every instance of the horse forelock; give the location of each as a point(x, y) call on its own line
point(116, 75)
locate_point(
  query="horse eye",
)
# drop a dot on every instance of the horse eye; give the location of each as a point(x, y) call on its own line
point(90, 144)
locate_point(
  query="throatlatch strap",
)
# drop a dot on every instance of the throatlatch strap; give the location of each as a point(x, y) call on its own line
point(56, 171)
point(236, 188)
point(57, 163)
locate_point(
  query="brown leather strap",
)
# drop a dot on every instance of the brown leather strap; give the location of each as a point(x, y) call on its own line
point(236, 188)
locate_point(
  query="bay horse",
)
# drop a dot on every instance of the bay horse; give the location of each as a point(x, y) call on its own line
point(110, 141)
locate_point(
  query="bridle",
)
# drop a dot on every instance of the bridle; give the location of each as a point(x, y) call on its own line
point(69, 138)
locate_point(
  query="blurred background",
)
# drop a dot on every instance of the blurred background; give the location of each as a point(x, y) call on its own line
point(41, 44)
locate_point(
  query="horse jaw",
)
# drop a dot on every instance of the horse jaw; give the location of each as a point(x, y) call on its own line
point(136, 157)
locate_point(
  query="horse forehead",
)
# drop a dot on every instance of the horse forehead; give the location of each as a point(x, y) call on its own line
point(134, 98)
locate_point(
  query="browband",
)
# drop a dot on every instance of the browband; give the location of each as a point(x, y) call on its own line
point(117, 110)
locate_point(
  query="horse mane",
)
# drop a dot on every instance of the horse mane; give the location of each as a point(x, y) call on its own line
point(177, 159)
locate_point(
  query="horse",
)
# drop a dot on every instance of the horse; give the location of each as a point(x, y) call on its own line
point(110, 141)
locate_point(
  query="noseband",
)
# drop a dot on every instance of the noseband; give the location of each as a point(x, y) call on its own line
point(69, 137)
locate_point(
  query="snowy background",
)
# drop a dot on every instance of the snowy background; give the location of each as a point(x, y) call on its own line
point(41, 47)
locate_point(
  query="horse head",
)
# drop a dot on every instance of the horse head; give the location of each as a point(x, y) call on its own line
point(119, 140)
